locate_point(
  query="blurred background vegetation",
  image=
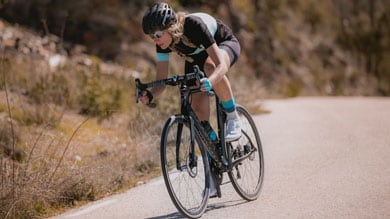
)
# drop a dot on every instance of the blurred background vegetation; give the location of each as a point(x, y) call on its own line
point(70, 131)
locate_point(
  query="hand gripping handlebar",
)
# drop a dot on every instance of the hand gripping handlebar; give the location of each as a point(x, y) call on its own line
point(172, 81)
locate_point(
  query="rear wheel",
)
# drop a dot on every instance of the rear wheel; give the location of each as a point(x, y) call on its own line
point(246, 155)
point(185, 168)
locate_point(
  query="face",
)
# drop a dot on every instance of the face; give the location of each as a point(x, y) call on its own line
point(162, 38)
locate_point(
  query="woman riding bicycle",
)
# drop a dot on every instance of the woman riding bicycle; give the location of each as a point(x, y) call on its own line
point(201, 40)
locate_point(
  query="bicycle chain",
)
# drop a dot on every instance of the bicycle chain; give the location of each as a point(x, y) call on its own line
point(215, 164)
point(213, 151)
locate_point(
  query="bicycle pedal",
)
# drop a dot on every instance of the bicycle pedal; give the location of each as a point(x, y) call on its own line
point(233, 140)
point(217, 193)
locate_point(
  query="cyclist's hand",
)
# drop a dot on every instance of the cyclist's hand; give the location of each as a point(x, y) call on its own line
point(205, 85)
point(146, 97)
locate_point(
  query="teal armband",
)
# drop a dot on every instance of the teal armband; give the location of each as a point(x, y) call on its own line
point(162, 57)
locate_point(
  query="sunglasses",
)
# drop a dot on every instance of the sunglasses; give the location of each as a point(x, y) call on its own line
point(157, 34)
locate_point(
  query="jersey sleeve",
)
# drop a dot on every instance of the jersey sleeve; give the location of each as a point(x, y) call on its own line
point(198, 32)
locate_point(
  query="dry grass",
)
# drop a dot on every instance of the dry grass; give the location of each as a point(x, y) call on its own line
point(72, 134)
point(79, 160)
point(78, 136)
point(68, 144)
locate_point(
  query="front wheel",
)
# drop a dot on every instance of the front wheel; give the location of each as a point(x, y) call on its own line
point(246, 155)
point(185, 168)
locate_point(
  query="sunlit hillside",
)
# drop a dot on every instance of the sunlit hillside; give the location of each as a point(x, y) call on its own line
point(70, 130)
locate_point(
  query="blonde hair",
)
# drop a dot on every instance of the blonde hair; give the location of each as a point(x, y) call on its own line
point(177, 31)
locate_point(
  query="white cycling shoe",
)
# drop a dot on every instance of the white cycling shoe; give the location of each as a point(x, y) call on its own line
point(212, 190)
point(233, 130)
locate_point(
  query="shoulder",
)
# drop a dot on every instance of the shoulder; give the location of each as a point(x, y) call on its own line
point(201, 22)
point(199, 19)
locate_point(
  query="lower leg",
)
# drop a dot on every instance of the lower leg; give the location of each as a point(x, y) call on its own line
point(225, 94)
point(223, 90)
point(200, 103)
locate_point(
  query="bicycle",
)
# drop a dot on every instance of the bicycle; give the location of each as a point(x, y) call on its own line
point(189, 157)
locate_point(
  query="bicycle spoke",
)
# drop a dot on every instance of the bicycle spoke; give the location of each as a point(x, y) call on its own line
point(247, 158)
point(186, 183)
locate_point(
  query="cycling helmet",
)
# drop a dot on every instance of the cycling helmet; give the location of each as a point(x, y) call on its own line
point(159, 16)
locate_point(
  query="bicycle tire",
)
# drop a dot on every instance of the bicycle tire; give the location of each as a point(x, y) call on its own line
point(247, 175)
point(188, 182)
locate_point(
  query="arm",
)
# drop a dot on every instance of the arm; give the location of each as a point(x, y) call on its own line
point(162, 73)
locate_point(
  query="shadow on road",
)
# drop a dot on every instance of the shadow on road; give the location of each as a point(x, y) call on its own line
point(225, 204)
point(175, 215)
point(210, 207)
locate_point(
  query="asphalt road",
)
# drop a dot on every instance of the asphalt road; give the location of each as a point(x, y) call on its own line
point(324, 158)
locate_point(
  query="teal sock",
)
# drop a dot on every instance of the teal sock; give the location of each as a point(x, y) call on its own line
point(229, 106)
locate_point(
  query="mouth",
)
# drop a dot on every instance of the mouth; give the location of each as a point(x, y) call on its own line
point(161, 45)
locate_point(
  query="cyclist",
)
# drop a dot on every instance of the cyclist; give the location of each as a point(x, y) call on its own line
point(201, 40)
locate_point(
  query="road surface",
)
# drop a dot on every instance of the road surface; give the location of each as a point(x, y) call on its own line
point(326, 157)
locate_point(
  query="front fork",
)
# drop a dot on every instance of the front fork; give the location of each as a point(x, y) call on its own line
point(192, 158)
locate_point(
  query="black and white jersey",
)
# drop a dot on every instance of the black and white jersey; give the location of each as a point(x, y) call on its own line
point(202, 30)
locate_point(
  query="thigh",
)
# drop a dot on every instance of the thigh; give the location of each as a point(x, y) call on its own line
point(209, 65)
point(232, 48)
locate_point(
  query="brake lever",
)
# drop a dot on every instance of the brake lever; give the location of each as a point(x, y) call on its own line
point(137, 90)
point(199, 75)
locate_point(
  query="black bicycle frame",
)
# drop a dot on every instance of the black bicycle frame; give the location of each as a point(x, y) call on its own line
point(188, 115)
point(193, 120)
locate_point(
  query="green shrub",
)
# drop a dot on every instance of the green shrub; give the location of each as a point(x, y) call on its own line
point(312, 16)
point(52, 88)
point(291, 87)
point(98, 100)
point(39, 114)
point(9, 143)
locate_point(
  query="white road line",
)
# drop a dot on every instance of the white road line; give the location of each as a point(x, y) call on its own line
point(157, 182)
point(160, 180)
point(92, 208)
